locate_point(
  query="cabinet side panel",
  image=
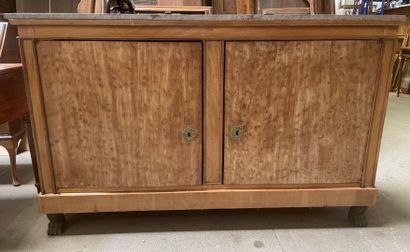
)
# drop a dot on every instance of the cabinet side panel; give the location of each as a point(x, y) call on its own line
point(305, 108)
point(37, 116)
point(117, 111)
point(379, 112)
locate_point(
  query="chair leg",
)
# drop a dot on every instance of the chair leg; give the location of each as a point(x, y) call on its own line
point(400, 74)
point(12, 150)
point(395, 67)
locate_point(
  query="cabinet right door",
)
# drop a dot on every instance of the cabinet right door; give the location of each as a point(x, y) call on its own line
point(298, 112)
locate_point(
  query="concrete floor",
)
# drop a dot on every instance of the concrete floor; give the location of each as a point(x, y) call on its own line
point(325, 229)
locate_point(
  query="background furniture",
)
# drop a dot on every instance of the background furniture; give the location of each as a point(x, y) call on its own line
point(158, 6)
point(12, 97)
point(152, 9)
point(13, 101)
point(231, 6)
point(401, 59)
point(179, 2)
point(10, 52)
point(398, 65)
point(3, 30)
point(13, 106)
point(45, 6)
point(286, 7)
point(204, 112)
point(11, 133)
point(257, 6)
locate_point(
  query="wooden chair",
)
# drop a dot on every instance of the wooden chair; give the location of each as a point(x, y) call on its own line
point(402, 67)
point(399, 64)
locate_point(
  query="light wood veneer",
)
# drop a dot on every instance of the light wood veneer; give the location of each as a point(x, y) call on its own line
point(110, 99)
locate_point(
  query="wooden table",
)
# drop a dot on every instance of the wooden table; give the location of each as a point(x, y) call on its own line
point(151, 112)
point(13, 106)
point(13, 102)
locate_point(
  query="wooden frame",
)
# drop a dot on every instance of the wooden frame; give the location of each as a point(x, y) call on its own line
point(213, 116)
point(152, 9)
point(3, 31)
point(213, 33)
point(288, 10)
point(208, 199)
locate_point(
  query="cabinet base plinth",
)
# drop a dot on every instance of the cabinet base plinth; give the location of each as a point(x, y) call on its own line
point(206, 199)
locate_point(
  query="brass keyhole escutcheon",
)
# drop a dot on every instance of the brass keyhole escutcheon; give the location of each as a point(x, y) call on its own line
point(237, 132)
point(189, 134)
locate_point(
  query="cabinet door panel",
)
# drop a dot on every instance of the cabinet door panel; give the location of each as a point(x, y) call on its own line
point(116, 112)
point(305, 108)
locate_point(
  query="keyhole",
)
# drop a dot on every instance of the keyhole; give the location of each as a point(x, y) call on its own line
point(237, 132)
point(189, 134)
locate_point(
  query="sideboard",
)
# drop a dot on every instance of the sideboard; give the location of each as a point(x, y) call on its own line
point(157, 112)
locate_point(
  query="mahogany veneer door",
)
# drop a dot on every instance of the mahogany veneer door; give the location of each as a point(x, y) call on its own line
point(305, 108)
point(123, 129)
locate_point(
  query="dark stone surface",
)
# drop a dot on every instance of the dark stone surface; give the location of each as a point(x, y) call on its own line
point(73, 16)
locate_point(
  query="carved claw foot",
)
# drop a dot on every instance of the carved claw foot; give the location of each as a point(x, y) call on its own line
point(56, 225)
point(357, 215)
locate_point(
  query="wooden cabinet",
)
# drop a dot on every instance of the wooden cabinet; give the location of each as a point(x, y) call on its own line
point(120, 122)
point(293, 102)
point(205, 112)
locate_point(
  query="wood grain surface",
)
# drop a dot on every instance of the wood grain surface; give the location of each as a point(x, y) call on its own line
point(245, 6)
point(37, 116)
point(206, 199)
point(376, 130)
point(281, 3)
point(116, 112)
point(305, 107)
point(213, 112)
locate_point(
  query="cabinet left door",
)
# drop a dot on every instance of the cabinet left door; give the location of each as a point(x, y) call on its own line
point(123, 115)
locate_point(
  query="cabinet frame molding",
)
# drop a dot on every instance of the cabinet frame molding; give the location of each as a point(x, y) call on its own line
point(206, 199)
